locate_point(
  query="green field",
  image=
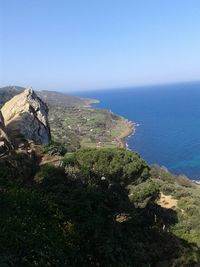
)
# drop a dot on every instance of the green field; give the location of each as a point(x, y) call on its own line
point(86, 127)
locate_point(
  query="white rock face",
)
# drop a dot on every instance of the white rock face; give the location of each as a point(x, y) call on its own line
point(26, 118)
point(4, 139)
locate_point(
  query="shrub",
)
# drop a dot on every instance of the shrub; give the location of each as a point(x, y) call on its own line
point(54, 148)
point(143, 193)
point(116, 165)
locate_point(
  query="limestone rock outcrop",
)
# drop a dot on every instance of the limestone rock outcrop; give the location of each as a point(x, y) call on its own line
point(5, 143)
point(26, 118)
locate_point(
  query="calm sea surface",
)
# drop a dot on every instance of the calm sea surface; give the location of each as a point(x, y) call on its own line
point(168, 118)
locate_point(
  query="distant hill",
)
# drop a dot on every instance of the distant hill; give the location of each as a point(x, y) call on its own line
point(49, 97)
point(60, 99)
point(7, 92)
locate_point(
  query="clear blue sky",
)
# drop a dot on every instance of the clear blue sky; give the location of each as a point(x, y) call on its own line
point(89, 44)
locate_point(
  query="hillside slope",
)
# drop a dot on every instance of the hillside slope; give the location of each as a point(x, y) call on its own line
point(49, 97)
point(7, 92)
point(76, 124)
point(99, 208)
point(88, 127)
point(93, 207)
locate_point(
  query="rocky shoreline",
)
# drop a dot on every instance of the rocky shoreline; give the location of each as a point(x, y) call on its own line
point(90, 101)
point(129, 126)
point(130, 130)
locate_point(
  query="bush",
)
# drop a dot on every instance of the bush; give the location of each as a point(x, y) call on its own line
point(54, 148)
point(115, 165)
point(141, 194)
point(88, 221)
point(50, 175)
point(70, 159)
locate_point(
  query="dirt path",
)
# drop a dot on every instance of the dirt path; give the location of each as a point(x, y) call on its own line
point(46, 159)
point(167, 202)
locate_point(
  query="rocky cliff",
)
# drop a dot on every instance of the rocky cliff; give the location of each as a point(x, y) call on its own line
point(5, 143)
point(26, 118)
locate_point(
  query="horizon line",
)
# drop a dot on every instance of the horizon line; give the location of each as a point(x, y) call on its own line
point(109, 88)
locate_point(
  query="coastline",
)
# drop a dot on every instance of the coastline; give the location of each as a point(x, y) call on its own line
point(129, 131)
point(90, 101)
point(129, 126)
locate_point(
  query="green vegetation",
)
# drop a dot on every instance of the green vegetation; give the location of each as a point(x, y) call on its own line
point(86, 127)
point(113, 165)
point(188, 206)
point(144, 192)
point(74, 123)
point(99, 209)
point(54, 148)
point(119, 128)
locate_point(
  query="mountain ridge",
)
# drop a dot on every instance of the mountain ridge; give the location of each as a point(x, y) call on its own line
point(50, 97)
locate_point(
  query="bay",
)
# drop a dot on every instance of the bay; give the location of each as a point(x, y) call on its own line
point(167, 119)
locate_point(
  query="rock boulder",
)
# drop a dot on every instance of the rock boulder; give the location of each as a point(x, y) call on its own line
point(5, 143)
point(26, 118)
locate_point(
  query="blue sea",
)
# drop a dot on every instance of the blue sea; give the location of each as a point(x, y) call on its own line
point(168, 123)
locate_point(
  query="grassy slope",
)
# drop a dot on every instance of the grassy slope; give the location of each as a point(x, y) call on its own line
point(92, 127)
point(76, 124)
point(105, 128)
point(187, 195)
point(180, 198)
